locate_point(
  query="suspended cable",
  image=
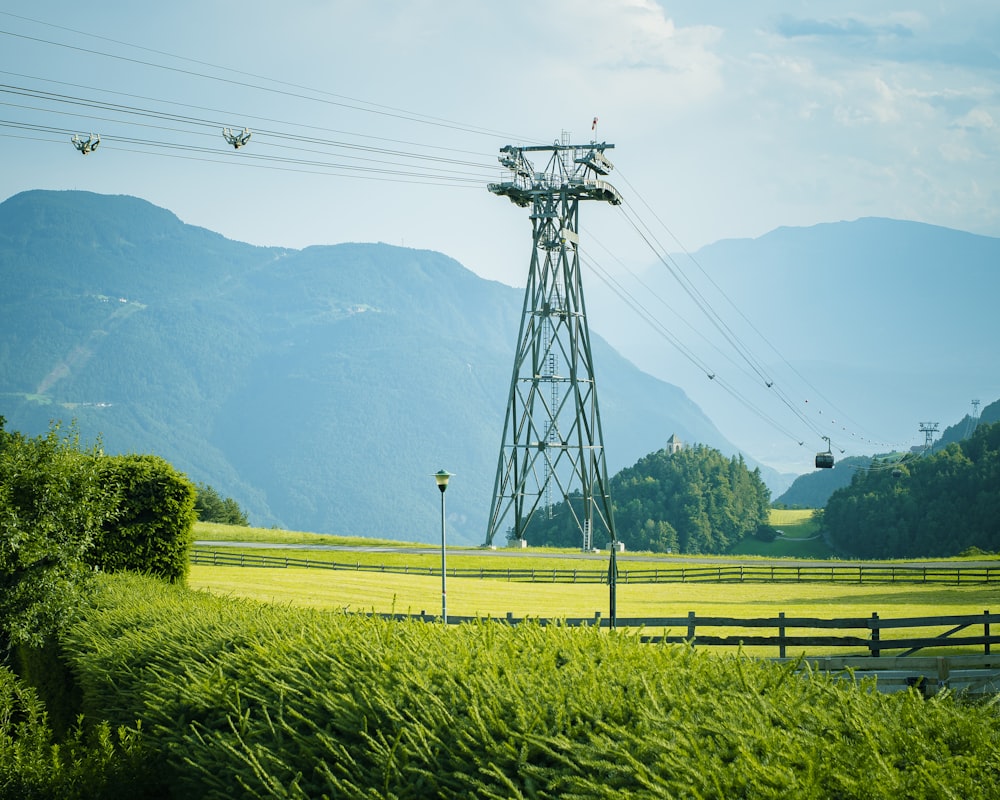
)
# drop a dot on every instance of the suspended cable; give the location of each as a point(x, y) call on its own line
point(629, 299)
point(316, 96)
point(870, 437)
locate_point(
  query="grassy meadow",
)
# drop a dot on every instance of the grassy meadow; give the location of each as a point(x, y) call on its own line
point(362, 591)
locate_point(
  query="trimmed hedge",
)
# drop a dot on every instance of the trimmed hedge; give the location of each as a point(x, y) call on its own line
point(246, 700)
point(152, 531)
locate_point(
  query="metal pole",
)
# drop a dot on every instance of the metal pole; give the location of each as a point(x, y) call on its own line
point(444, 571)
point(613, 588)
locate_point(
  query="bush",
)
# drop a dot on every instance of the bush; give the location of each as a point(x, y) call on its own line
point(765, 533)
point(89, 764)
point(152, 530)
point(52, 505)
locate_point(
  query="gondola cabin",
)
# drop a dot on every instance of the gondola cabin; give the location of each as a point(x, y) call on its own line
point(824, 460)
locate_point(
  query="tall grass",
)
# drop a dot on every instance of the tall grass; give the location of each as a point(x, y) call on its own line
point(245, 700)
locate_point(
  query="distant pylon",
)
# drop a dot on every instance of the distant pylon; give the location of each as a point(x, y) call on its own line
point(552, 437)
point(928, 429)
point(973, 423)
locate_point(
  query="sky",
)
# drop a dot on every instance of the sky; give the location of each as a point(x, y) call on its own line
point(382, 121)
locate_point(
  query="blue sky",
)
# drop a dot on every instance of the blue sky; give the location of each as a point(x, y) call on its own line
point(381, 121)
point(729, 118)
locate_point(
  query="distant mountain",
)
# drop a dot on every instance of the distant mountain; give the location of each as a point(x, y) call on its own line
point(876, 324)
point(320, 388)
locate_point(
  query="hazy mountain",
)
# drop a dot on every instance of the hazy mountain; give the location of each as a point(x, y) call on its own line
point(319, 388)
point(878, 324)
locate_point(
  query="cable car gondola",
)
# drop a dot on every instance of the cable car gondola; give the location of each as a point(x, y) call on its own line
point(824, 460)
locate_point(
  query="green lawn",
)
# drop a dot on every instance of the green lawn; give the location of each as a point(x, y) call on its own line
point(411, 594)
point(415, 594)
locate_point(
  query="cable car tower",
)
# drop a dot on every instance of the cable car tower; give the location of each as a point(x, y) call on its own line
point(553, 445)
point(973, 423)
point(928, 429)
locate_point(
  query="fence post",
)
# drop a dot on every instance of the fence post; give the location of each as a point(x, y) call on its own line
point(944, 672)
point(873, 646)
point(781, 635)
point(986, 631)
point(691, 625)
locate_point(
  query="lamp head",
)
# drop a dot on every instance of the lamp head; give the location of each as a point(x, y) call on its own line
point(442, 476)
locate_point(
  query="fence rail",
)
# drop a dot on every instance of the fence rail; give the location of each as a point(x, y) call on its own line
point(698, 573)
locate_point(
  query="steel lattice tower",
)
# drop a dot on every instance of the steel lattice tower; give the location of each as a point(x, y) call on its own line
point(553, 446)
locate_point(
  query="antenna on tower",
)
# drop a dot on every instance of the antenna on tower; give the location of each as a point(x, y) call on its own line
point(973, 423)
point(553, 441)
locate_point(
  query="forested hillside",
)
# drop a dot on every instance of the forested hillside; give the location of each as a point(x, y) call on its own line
point(813, 489)
point(938, 505)
point(695, 500)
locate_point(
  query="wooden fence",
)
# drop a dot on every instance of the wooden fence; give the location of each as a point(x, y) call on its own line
point(668, 573)
point(962, 631)
point(967, 672)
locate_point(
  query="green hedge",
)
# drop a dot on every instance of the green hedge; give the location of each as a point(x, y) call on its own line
point(152, 529)
point(248, 700)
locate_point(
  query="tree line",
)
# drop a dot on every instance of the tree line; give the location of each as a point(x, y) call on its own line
point(941, 504)
point(694, 500)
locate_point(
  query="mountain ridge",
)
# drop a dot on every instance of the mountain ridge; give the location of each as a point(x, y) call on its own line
point(320, 388)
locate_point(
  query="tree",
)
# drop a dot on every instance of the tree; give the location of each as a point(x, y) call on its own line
point(52, 505)
point(692, 501)
point(211, 507)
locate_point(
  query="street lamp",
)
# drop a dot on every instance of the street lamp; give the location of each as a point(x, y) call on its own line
point(442, 476)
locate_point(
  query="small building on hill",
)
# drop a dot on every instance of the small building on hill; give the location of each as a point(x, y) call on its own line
point(674, 445)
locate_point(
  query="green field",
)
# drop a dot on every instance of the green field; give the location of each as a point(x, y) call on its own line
point(365, 591)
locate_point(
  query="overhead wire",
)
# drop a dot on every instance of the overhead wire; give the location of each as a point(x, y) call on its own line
point(317, 95)
point(690, 256)
point(735, 342)
point(216, 124)
point(406, 173)
point(653, 321)
point(415, 115)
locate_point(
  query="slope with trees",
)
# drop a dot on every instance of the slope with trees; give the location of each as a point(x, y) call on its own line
point(694, 500)
point(939, 505)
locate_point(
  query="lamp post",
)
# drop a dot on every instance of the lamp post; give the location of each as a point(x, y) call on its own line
point(442, 476)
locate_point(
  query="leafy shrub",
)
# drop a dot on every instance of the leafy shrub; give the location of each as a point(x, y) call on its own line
point(152, 531)
point(246, 700)
point(90, 764)
point(765, 533)
point(52, 505)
